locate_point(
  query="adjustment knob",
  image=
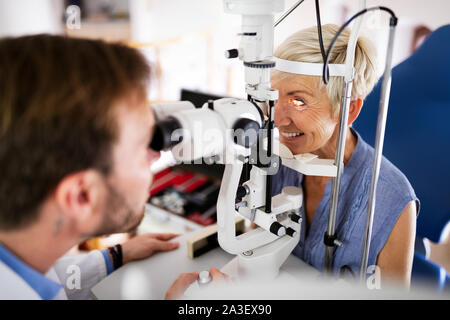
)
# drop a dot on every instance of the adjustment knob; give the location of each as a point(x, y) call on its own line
point(242, 191)
point(291, 232)
point(204, 278)
point(295, 218)
point(277, 229)
point(232, 53)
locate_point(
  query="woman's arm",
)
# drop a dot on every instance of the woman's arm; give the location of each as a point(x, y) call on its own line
point(396, 258)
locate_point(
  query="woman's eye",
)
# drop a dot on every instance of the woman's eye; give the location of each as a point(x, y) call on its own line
point(297, 102)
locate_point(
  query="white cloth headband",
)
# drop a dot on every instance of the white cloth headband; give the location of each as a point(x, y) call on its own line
point(309, 69)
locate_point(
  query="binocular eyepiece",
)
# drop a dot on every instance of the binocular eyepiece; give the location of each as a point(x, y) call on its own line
point(193, 133)
point(163, 137)
point(168, 133)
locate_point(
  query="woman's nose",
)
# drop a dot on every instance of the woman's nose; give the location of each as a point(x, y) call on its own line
point(281, 115)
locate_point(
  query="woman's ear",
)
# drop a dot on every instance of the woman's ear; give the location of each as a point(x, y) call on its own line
point(354, 110)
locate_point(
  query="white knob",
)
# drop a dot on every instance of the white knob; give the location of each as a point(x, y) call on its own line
point(204, 278)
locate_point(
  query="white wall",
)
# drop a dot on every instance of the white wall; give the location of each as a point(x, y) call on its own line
point(200, 31)
point(189, 38)
point(20, 17)
point(116, 6)
point(154, 20)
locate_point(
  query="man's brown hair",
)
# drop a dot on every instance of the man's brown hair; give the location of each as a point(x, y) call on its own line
point(56, 114)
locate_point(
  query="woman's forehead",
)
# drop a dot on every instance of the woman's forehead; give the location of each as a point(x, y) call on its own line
point(285, 82)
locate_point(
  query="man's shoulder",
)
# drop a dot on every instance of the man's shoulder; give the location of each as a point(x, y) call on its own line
point(13, 286)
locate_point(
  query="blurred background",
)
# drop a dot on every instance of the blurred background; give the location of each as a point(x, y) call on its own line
point(184, 42)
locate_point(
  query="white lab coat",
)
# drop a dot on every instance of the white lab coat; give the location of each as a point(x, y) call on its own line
point(91, 267)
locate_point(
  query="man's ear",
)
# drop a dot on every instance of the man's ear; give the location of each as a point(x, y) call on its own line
point(354, 110)
point(79, 197)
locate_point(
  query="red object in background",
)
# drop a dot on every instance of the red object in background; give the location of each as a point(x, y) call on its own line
point(161, 174)
point(197, 217)
point(186, 182)
point(197, 183)
point(162, 180)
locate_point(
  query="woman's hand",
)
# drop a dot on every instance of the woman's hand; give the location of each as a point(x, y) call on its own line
point(217, 276)
point(144, 246)
point(184, 280)
point(180, 285)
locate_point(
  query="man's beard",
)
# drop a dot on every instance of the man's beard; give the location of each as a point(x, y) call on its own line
point(118, 216)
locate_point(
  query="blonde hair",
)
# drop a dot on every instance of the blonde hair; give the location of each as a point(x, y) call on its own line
point(303, 46)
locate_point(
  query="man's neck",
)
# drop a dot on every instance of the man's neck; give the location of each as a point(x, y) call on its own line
point(36, 246)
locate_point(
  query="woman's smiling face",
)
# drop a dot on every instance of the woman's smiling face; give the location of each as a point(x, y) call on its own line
point(303, 113)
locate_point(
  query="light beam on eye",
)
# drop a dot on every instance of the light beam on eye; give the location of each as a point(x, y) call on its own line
point(297, 102)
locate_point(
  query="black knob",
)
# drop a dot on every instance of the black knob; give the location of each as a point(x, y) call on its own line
point(241, 192)
point(162, 138)
point(277, 229)
point(232, 53)
point(245, 132)
point(295, 217)
point(291, 232)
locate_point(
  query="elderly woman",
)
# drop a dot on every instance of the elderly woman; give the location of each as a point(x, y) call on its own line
point(307, 117)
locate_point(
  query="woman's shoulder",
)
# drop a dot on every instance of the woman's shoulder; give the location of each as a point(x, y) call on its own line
point(391, 179)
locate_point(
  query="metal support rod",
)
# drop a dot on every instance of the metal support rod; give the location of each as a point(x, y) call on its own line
point(378, 153)
point(269, 156)
point(339, 157)
point(339, 162)
point(288, 12)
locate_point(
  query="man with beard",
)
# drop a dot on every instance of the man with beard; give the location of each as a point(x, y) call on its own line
point(75, 129)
